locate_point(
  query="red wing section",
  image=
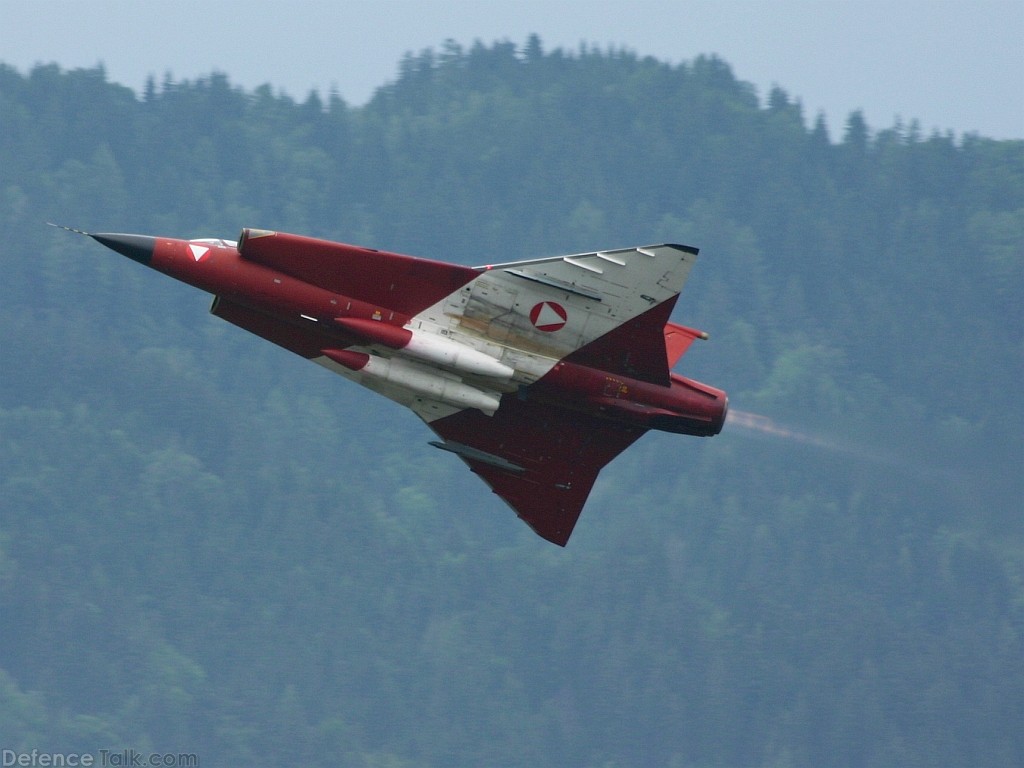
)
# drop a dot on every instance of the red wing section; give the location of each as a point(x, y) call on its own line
point(541, 460)
point(635, 349)
point(403, 283)
point(305, 342)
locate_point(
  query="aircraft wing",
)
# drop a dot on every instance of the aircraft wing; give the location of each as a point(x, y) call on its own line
point(541, 460)
point(606, 309)
point(306, 342)
point(405, 284)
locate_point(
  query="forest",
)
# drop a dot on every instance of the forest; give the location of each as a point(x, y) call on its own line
point(209, 546)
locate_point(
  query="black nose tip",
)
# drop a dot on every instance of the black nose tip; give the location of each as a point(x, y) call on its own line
point(136, 247)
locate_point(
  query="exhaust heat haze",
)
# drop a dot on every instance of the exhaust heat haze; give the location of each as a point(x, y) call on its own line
point(888, 455)
point(757, 423)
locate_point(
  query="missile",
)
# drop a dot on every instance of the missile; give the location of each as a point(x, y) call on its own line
point(419, 380)
point(428, 347)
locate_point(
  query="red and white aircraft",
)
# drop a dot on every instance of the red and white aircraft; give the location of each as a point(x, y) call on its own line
point(535, 373)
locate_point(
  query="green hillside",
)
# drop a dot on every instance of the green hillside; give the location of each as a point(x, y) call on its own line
point(209, 546)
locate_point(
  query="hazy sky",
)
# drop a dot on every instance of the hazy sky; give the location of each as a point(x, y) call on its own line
point(952, 64)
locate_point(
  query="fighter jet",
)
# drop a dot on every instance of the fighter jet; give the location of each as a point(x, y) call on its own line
point(535, 373)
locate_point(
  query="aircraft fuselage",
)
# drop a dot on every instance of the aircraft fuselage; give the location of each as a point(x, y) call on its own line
point(536, 373)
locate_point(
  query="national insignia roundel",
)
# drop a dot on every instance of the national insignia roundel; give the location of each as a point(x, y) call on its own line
point(548, 316)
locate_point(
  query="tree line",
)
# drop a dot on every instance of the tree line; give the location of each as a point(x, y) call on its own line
point(209, 546)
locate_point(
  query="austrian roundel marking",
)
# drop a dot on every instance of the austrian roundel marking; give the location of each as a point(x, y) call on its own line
point(548, 316)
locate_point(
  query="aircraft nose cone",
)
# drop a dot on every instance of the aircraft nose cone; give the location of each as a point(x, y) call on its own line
point(136, 247)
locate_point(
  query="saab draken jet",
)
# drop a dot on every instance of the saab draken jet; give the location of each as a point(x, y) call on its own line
point(535, 373)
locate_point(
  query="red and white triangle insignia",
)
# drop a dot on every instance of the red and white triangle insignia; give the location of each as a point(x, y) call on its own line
point(198, 251)
point(548, 316)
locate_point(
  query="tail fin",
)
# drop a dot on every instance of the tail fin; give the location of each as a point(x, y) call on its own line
point(678, 339)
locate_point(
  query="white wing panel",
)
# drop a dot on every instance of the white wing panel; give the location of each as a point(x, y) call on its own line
point(519, 304)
